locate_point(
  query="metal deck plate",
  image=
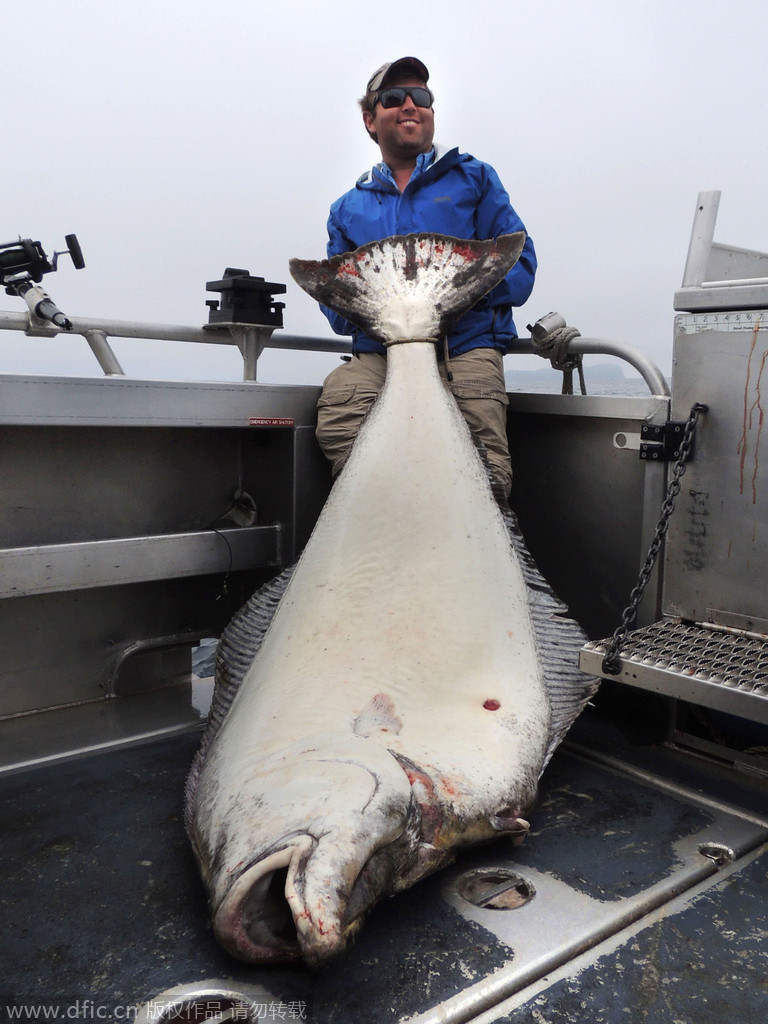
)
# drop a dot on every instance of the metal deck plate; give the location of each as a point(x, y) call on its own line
point(721, 670)
point(696, 960)
point(61, 734)
point(101, 901)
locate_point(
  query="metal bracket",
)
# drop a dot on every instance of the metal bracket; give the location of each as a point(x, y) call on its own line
point(661, 442)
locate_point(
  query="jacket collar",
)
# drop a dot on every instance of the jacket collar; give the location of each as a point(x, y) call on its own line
point(438, 159)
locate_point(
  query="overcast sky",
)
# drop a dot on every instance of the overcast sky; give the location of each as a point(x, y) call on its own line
point(179, 137)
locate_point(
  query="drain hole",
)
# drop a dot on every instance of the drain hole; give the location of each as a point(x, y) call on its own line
point(718, 853)
point(495, 889)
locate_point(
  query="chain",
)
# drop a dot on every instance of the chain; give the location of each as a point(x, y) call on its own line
point(612, 660)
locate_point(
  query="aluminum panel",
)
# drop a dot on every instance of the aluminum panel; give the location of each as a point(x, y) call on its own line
point(586, 507)
point(57, 567)
point(113, 401)
point(717, 547)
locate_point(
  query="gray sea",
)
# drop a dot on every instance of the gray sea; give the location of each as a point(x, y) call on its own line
point(550, 382)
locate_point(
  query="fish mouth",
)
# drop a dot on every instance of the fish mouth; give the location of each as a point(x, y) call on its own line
point(308, 899)
point(255, 922)
point(288, 907)
point(282, 889)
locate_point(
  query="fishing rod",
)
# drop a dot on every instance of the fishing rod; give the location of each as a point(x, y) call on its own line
point(22, 265)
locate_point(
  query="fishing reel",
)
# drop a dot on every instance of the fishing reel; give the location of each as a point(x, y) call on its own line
point(22, 265)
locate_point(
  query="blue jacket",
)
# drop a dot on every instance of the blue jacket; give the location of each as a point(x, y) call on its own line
point(451, 193)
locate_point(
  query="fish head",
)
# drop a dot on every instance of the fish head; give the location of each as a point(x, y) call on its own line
point(409, 287)
point(313, 838)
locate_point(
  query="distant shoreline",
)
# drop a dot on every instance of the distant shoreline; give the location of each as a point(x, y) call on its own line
point(600, 372)
point(600, 379)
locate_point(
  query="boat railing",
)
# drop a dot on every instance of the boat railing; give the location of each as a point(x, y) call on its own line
point(251, 340)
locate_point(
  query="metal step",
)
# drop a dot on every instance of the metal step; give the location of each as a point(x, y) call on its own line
point(722, 669)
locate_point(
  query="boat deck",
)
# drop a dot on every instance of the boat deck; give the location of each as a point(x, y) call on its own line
point(634, 852)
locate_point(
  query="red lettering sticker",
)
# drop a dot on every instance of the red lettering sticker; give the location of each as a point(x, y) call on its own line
point(271, 421)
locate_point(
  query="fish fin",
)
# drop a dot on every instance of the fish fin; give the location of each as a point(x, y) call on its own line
point(236, 649)
point(511, 823)
point(560, 638)
point(409, 287)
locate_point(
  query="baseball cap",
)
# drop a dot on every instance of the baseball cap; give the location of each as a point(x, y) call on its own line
point(404, 65)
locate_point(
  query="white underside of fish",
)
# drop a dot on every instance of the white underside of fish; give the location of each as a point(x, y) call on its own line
point(405, 628)
point(397, 707)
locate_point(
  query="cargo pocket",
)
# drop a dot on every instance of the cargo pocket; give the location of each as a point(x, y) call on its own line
point(483, 405)
point(340, 411)
point(335, 396)
point(483, 389)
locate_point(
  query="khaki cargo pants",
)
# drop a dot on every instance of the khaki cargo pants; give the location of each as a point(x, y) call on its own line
point(478, 386)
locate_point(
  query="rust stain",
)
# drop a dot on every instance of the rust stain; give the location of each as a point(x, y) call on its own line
point(761, 417)
point(752, 412)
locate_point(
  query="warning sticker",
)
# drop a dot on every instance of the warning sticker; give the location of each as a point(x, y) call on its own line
point(271, 421)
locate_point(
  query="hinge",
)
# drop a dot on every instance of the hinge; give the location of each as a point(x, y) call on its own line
point(661, 442)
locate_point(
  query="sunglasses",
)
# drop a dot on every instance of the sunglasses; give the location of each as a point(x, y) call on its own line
point(395, 97)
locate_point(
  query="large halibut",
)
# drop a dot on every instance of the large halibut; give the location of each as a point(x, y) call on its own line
point(398, 694)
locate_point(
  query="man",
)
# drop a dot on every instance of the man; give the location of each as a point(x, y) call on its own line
point(418, 187)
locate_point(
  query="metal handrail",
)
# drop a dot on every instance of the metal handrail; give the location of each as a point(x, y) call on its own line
point(648, 370)
point(251, 340)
